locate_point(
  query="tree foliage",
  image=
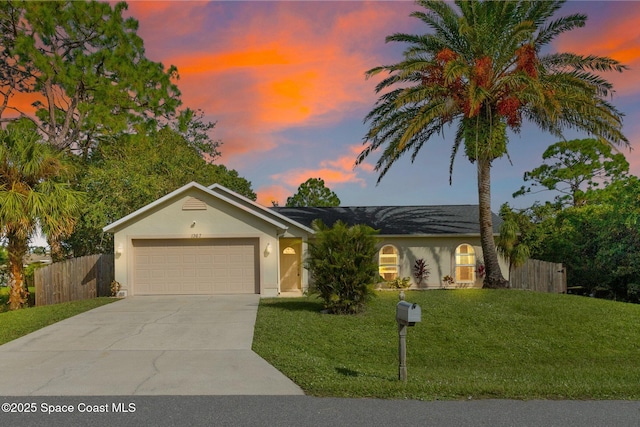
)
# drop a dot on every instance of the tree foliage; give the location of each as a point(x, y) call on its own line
point(482, 68)
point(84, 67)
point(34, 190)
point(196, 131)
point(575, 167)
point(342, 262)
point(598, 241)
point(509, 242)
point(313, 192)
point(126, 173)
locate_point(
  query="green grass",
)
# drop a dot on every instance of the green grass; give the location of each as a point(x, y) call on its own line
point(15, 324)
point(4, 297)
point(470, 344)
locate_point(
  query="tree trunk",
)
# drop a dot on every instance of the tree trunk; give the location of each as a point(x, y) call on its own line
point(55, 249)
point(17, 249)
point(493, 278)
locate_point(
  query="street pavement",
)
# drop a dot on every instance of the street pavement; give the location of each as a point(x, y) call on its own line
point(312, 411)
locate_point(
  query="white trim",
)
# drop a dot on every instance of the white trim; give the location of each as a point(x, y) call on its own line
point(192, 185)
point(472, 266)
point(395, 266)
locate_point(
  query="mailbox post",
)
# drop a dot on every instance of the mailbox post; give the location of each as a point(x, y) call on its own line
point(407, 314)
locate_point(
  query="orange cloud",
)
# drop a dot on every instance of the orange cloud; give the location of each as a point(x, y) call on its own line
point(302, 65)
point(617, 36)
point(23, 102)
point(335, 173)
point(226, 61)
point(348, 161)
point(331, 177)
point(272, 193)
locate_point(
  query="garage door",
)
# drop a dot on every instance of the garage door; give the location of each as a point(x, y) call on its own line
point(195, 266)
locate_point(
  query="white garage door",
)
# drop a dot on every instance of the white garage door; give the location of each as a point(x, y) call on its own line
point(195, 266)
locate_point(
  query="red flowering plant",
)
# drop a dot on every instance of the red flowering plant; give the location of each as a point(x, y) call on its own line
point(480, 269)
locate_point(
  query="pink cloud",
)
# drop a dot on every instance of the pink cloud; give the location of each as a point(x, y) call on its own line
point(301, 64)
point(273, 193)
point(617, 36)
point(347, 162)
point(335, 173)
point(161, 18)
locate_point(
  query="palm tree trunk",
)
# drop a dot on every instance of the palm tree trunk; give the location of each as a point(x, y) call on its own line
point(493, 278)
point(17, 249)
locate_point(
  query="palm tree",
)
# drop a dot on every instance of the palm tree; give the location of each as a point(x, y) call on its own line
point(483, 71)
point(32, 192)
point(509, 243)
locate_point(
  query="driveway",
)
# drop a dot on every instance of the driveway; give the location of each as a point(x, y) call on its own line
point(169, 345)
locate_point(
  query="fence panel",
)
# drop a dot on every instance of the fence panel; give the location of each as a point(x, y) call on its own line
point(74, 279)
point(539, 276)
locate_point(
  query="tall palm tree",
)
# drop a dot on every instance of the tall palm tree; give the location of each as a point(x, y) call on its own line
point(33, 192)
point(482, 70)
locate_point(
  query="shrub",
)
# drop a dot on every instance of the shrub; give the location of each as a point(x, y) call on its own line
point(633, 292)
point(399, 283)
point(421, 270)
point(342, 262)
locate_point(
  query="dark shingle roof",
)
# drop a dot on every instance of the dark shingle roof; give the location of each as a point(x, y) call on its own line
point(394, 220)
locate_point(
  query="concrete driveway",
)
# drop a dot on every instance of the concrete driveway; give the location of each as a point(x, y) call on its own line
point(169, 345)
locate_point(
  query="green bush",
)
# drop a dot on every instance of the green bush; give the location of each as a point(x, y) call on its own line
point(342, 262)
point(399, 283)
point(633, 292)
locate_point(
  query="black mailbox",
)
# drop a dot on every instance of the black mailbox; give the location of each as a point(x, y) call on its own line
point(408, 313)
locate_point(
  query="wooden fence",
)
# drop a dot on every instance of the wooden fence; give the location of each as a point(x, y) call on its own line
point(539, 276)
point(74, 279)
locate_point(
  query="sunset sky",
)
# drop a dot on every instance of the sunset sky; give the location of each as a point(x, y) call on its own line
point(285, 83)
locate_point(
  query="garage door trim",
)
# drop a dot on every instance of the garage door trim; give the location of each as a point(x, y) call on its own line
point(207, 265)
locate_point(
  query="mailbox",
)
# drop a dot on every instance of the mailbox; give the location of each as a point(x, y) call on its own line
point(408, 313)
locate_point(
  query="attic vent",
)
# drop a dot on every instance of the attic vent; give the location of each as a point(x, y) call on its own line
point(194, 204)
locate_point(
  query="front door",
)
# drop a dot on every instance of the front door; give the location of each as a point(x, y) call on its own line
point(290, 264)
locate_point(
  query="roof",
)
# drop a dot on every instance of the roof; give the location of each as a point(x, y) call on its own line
point(397, 220)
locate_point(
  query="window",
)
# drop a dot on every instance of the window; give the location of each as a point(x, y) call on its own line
point(465, 264)
point(388, 262)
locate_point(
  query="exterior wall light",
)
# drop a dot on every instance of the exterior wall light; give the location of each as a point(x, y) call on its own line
point(120, 249)
point(267, 250)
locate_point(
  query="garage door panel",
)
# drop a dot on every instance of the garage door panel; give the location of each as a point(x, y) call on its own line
point(189, 259)
point(173, 259)
point(198, 266)
point(204, 259)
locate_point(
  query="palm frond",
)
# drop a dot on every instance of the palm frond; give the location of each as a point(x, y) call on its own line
point(567, 23)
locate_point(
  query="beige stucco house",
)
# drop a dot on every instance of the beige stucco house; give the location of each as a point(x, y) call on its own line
point(199, 240)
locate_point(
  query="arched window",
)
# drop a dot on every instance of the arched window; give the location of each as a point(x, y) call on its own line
point(388, 262)
point(465, 264)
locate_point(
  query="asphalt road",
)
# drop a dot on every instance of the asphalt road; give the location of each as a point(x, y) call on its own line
point(308, 411)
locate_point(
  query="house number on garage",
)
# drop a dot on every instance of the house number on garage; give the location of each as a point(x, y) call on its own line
point(196, 236)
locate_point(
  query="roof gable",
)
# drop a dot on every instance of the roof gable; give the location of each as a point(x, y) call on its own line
point(113, 227)
point(397, 220)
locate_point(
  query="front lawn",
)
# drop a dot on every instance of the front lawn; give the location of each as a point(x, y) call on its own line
point(15, 324)
point(470, 344)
